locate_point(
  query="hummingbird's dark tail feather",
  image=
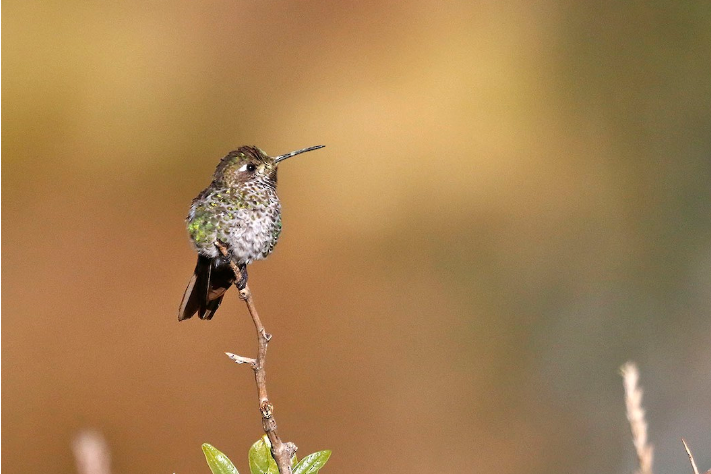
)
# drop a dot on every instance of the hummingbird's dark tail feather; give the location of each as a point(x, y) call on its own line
point(206, 289)
point(195, 296)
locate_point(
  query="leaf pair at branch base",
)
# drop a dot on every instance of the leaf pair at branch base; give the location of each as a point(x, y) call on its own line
point(261, 460)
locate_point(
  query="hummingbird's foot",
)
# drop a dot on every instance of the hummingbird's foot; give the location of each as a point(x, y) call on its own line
point(225, 253)
point(242, 282)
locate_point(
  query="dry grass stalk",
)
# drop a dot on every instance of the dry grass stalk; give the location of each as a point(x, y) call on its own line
point(636, 418)
point(691, 458)
point(91, 453)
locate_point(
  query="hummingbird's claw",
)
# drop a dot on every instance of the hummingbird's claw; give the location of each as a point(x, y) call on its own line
point(242, 282)
point(223, 249)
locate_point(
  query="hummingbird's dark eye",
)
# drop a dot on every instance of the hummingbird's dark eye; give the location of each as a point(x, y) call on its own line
point(251, 167)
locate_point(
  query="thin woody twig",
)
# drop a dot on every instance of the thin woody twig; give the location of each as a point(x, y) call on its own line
point(281, 451)
point(241, 360)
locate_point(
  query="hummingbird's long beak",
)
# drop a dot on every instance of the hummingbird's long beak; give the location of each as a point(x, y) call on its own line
point(283, 157)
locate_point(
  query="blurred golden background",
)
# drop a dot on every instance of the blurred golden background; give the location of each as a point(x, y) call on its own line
point(514, 200)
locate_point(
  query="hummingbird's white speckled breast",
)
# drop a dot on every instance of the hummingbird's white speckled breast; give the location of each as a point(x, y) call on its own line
point(247, 219)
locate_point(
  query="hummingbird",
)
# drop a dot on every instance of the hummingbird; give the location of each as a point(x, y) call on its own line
point(241, 211)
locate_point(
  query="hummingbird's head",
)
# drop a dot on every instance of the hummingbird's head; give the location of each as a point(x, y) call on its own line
point(251, 164)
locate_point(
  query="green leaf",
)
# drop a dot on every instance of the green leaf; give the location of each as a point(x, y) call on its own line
point(312, 463)
point(260, 458)
point(218, 462)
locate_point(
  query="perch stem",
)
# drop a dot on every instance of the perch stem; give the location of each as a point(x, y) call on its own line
point(281, 451)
